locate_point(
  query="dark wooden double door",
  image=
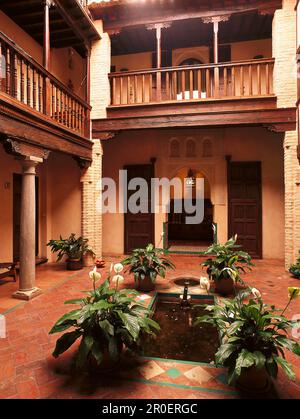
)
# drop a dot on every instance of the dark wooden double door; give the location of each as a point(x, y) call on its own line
point(245, 205)
point(139, 228)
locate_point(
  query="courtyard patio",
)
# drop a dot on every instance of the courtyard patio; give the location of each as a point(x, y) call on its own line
point(28, 369)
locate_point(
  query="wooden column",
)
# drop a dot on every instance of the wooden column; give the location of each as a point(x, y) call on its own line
point(216, 58)
point(46, 56)
point(29, 157)
point(88, 91)
point(215, 20)
point(158, 28)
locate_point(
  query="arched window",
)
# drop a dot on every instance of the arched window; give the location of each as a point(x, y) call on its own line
point(207, 148)
point(190, 148)
point(174, 148)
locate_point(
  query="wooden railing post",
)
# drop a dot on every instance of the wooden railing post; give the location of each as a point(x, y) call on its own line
point(47, 100)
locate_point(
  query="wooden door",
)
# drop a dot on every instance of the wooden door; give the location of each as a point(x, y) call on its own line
point(17, 190)
point(245, 205)
point(139, 228)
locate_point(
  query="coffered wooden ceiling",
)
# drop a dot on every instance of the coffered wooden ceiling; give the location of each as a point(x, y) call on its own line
point(193, 32)
point(70, 23)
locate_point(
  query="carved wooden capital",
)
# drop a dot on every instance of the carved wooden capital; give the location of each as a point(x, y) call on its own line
point(267, 11)
point(83, 163)
point(103, 136)
point(216, 19)
point(283, 127)
point(155, 26)
point(17, 147)
point(114, 32)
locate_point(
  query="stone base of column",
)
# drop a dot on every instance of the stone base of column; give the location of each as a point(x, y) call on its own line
point(27, 295)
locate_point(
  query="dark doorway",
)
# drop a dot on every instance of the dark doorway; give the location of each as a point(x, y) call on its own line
point(139, 228)
point(17, 190)
point(245, 205)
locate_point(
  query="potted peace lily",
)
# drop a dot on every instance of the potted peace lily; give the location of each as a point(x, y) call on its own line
point(295, 269)
point(107, 321)
point(74, 248)
point(225, 265)
point(253, 337)
point(146, 264)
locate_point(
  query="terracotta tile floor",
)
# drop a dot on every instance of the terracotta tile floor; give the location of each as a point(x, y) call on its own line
point(29, 371)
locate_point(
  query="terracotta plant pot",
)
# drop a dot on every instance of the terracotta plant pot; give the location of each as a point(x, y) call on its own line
point(145, 285)
point(224, 286)
point(253, 380)
point(88, 259)
point(107, 364)
point(74, 264)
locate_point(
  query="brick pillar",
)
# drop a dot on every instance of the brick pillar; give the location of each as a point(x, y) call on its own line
point(285, 88)
point(91, 195)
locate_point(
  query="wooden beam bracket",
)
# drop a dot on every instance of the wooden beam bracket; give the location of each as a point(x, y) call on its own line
point(18, 147)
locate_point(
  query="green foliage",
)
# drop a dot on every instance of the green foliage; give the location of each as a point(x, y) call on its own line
point(295, 269)
point(72, 247)
point(148, 262)
point(252, 335)
point(107, 320)
point(228, 261)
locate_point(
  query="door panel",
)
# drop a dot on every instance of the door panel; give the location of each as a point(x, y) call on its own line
point(139, 228)
point(244, 205)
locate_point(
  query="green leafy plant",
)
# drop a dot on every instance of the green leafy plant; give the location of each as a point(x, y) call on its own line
point(252, 333)
point(228, 261)
point(107, 321)
point(73, 247)
point(295, 269)
point(148, 262)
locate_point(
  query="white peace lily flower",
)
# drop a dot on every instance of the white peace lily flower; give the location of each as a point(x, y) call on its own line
point(94, 275)
point(118, 279)
point(204, 283)
point(111, 267)
point(118, 268)
point(256, 293)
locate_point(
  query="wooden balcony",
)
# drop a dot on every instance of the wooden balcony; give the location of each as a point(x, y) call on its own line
point(235, 80)
point(211, 95)
point(30, 92)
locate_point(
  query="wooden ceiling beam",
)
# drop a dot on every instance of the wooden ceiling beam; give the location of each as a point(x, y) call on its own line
point(72, 23)
point(166, 16)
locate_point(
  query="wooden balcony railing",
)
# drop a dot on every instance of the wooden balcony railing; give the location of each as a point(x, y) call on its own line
point(178, 84)
point(26, 81)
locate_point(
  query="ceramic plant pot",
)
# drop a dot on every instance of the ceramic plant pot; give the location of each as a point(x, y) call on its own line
point(88, 260)
point(74, 264)
point(145, 285)
point(224, 286)
point(253, 380)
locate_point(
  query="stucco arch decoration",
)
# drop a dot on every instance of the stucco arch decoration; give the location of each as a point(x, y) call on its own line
point(207, 170)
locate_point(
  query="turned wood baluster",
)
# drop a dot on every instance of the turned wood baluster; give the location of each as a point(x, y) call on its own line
point(250, 81)
point(150, 88)
point(183, 84)
point(28, 81)
point(207, 77)
point(13, 74)
point(191, 84)
point(242, 81)
point(40, 95)
point(259, 79)
point(199, 81)
point(22, 81)
point(225, 77)
point(8, 71)
point(33, 88)
point(267, 79)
